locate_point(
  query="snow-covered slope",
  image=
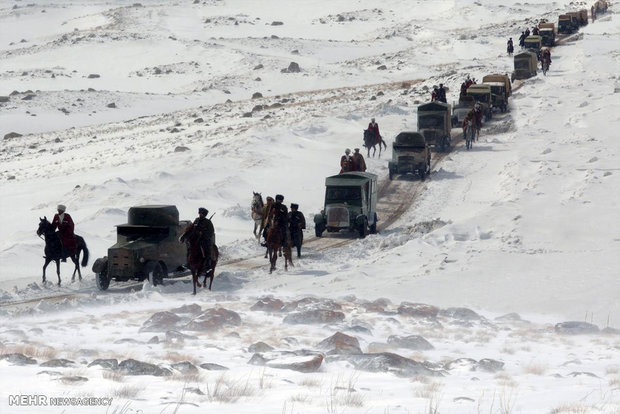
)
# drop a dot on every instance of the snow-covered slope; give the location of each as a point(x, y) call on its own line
point(526, 222)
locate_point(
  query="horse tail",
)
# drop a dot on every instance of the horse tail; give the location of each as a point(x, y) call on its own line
point(82, 245)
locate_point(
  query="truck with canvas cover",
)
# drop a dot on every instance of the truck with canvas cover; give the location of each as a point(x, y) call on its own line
point(434, 123)
point(526, 65)
point(505, 79)
point(410, 154)
point(147, 247)
point(575, 19)
point(499, 96)
point(482, 94)
point(583, 17)
point(350, 203)
point(533, 43)
point(547, 32)
point(565, 24)
point(461, 108)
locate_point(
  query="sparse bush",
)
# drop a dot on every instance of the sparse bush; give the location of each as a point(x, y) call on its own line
point(115, 376)
point(128, 392)
point(301, 398)
point(310, 382)
point(535, 368)
point(229, 391)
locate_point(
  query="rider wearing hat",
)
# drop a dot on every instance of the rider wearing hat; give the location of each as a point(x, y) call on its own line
point(278, 216)
point(346, 162)
point(64, 223)
point(207, 233)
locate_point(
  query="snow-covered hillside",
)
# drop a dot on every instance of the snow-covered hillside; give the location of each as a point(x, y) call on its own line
point(503, 242)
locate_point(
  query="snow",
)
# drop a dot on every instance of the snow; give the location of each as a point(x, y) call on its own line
point(526, 222)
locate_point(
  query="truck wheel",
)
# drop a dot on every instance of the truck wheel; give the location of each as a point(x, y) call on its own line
point(102, 280)
point(373, 227)
point(155, 273)
point(363, 229)
point(391, 175)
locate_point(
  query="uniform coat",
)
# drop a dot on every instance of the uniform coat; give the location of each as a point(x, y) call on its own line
point(65, 226)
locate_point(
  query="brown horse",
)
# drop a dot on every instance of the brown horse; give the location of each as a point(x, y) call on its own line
point(198, 259)
point(276, 242)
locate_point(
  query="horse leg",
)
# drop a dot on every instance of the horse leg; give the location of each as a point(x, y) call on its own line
point(76, 261)
point(58, 270)
point(47, 261)
point(194, 280)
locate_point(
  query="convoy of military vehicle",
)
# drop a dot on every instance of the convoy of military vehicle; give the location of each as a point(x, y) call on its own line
point(147, 246)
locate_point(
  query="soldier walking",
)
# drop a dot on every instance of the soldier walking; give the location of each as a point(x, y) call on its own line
point(297, 223)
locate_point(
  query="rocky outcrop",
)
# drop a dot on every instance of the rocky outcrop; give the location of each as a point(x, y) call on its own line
point(576, 328)
point(415, 342)
point(340, 343)
point(134, 367)
point(161, 322)
point(214, 319)
point(314, 316)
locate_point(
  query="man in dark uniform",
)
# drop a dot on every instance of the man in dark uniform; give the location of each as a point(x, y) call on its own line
point(64, 223)
point(278, 216)
point(441, 94)
point(297, 222)
point(207, 234)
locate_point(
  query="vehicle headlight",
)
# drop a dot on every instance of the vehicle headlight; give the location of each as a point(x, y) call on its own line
point(142, 260)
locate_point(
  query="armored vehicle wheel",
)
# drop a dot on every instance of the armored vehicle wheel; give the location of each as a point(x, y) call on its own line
point(102, 280)
point(154, 272)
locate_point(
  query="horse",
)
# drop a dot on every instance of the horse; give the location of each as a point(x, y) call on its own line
point(257, 213)
point(54, 251)
point(197, 259)
point(371, 141)
point(275, 242)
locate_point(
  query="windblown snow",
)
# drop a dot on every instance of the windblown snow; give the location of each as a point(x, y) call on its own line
point(496, 291)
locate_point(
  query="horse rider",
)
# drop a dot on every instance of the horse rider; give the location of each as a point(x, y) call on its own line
point(527, 32)
point(297, 223)
point(374, 128)
point(535, 31)
point(346, 162)
point(510, 47)
point(441, 94)
point(358, 161)
point(207, 234)
point(278, 216)
point(434, 93)
point(546, 55)
point(64, 223)
point(478, 115)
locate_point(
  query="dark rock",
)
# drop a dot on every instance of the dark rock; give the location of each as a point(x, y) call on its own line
point(213, 319)
point(93, 76)
point(314, 316)
point(490, 365)
point(181, 149)
point(268, 304)
point(133, 367)
point(340, 343)
point(415, 342)
point(295, 52)
point(258, 79)
point(12, 135)
point(111, 105)
point(260, 347)
point(213, 367)
point(386, 362)
point(176, 336)
point(259, 66)
point(257, 359)
point(511, 317)
point(193, 309)
point(161, 322)
point(359, 329)
point(157, 71)
point(382, 67)
point(274, 37)
point(258, 108)
point(58, 363)
point(28, 97)
point(185, 367)
point(293, 67)
point(199, 120)
point(588, 374)
point(275, 105)
point(463, 314)
point(4, 98)
point(418, 310)
point(311, 303)
point(275, 23)
point(373, 98)
point(50, 373)
point(193, 390)
point(247, 115)
point(257, 95)
point(105, 363)
point(153, 340)
point(380, 93)
point(175, 130)
point(576, 328)
point(18, 359)
point(610, 331)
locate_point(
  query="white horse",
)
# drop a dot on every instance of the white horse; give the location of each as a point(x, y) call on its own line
point(257, 213)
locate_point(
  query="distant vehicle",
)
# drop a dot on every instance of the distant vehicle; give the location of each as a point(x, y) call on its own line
point(526, 65)
point(533, 43)
point(482, 94)
point(499, 99)
point(434, 123)
point(410, 154)
point(600, 6)
point(460, 109)
point(583, 17)
point(147, 247)
point(547, 33)
point(350, 203)
point(565, 24)
point(575, 19)
point(504, 78)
